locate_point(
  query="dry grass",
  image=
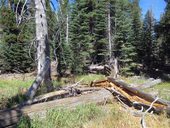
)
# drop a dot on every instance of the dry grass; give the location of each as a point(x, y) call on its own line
point(118, 117)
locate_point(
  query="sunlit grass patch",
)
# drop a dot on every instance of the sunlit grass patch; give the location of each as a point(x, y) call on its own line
point(89, 78)
point(65, 118)
point(162, 90)
point(12, 90)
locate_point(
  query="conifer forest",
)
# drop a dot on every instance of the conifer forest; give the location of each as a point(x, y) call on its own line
point(85, 32)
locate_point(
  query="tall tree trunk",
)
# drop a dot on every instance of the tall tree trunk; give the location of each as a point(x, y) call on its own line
point(67, 27)
point(109, 32)
point(43, 50)
point(112, 58)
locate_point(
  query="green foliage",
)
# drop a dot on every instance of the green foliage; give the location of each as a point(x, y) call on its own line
point(148, 40)
point(14, 44)
point(124, 47)
point(163, 38)
point(100, 32)
point(81, 34)
point(137, 29)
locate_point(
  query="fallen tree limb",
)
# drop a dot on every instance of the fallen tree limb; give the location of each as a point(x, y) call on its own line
point(61, 94)
point(148, 84)
point(12, 116)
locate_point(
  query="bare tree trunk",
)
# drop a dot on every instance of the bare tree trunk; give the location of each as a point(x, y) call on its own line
point(67, 27)
point(43, 50)
point(109, 32)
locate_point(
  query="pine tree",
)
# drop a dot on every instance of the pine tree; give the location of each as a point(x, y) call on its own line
point(124, 47)
point(100, 32)
point(165, 32)
point(137, 29)
point(15, 43)
point(81, 34)
point(148, 41)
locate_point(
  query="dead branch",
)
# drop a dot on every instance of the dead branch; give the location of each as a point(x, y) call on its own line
point(143, 123)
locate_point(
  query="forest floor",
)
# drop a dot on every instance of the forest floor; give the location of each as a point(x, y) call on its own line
point(12, 86)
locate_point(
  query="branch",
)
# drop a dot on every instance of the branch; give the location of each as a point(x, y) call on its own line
point(143, 116)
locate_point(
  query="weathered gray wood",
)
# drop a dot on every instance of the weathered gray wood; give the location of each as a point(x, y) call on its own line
point(134, 91)
point(12, 116)
point(40, 77)
point(61, 94)
point(148, 84)
point(43, 50)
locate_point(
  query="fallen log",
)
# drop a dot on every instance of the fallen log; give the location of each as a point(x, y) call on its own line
point(11, 116)
point(133, 95)
point(150, 83)
point(136, 95)
point(106, 70)
point(61, 94)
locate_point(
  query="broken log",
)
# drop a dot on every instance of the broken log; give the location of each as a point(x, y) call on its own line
point(11, 116)
point(150, 83)
point(106, 70)
point(135, 95)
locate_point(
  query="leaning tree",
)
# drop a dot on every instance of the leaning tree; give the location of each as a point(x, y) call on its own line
point(43, 50)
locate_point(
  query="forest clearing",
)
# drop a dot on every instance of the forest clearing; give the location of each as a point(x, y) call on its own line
point(84, 64)
point(103, 114)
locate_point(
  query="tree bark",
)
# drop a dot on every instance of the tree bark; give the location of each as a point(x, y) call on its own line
point(33, 89)
point(109, 32)
point(67, 28)
point(43, 50)
point(148, 84)
point(12, 116)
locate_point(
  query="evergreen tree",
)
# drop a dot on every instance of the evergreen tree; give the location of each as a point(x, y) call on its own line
point(148, 41)
point(164, 34)
point(15, 42)
point(137, 29)
point(61, 43)
point(100, 32)
point(81, 34)
point(124, 46)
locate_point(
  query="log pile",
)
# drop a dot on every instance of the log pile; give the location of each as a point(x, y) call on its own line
point(132, 95)
point(99, 93)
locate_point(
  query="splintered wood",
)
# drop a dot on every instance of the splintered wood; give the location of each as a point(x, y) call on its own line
point(131, 94)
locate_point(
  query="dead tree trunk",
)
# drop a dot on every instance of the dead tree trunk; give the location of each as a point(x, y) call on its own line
point(43, 50)
point(67, 28)
point(109, 32)
point(32, 90)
